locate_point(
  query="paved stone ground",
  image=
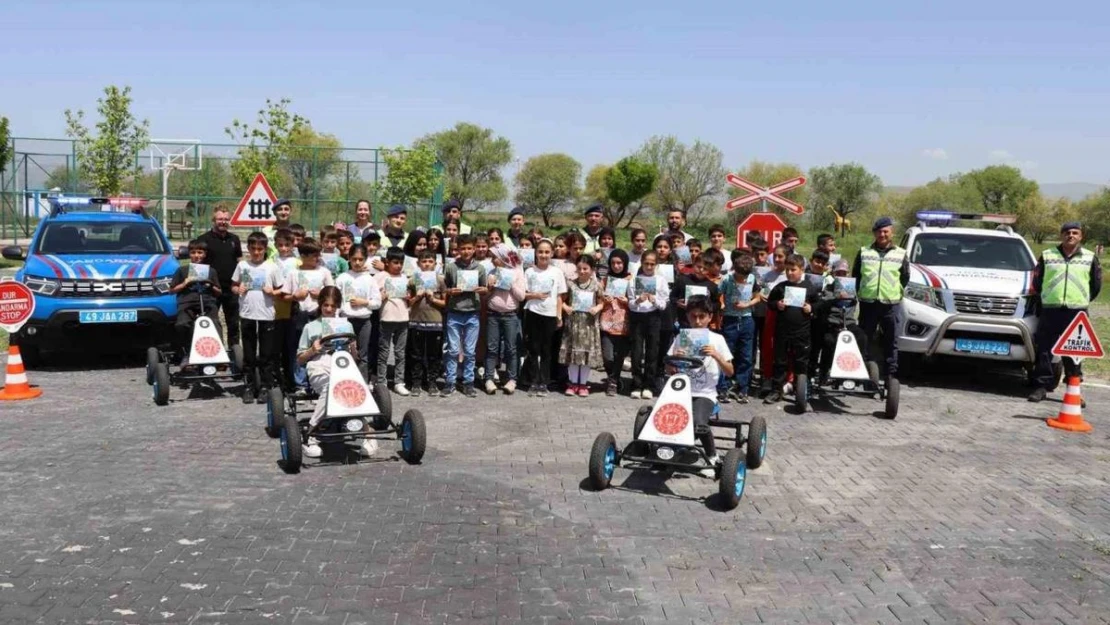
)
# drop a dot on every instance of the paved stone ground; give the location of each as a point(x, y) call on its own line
point(965, 509)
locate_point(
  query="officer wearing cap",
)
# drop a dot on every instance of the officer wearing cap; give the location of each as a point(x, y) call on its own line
point(1067, 278)
point(882, 271)
point(516, 226)
point(592, 231)
point(393, 234)
point(452, 209)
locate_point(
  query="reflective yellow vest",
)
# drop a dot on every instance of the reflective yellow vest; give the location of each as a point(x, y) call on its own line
point(881, 276)
point(1067, 281)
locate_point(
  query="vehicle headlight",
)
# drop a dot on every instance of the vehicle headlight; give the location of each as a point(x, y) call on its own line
point(162, 285)
point(664, 453)
point(924, 294)
point(42, 286)
point(353, 425)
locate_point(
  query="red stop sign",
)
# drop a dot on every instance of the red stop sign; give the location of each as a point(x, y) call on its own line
point(17, 302)
point(768, 225)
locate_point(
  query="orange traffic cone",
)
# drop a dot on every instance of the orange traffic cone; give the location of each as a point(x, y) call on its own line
point(1071, 413)
point(15, 383)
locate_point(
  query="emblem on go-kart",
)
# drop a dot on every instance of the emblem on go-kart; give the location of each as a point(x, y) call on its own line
point(678, 383)
point(349, 393)
point(207, 347)
point(670, 419)
point(848, 361)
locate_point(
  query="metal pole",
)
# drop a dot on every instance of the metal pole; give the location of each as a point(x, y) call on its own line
point(165, 183)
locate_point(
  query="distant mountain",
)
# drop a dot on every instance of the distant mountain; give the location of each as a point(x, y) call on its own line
point(1074, 191)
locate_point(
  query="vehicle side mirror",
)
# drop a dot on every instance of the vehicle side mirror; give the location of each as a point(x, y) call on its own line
point(182, 253)
point(13, 252)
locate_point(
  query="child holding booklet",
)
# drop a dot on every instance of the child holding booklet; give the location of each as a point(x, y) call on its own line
point(507, 288)
point(648, 296)
point(425, 340)
point(740, 292)
point(838, 310)
point(581, 343)
point(793, 300)
point(542, 316)
point(362, 297)
point(393, 331)
point(615, 343)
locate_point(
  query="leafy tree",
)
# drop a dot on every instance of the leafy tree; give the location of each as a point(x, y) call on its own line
point(1040, 220)
point(940, 194)
point(1000, 188)
point(265, 146)
point(310, 160)
point(547, 184)
point(411, 175)
point(847, 188)
point(626, 184)
point(5, 144)
point(472, 159)
point(767, 174)
point(61, 177)
point(111, 157)
point(691, 178)
point(595, 191)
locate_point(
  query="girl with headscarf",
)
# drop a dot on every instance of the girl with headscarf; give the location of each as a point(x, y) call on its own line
point(615, 344)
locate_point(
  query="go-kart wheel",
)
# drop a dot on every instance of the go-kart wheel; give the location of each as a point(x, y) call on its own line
point(275, 412)
point(414, 437)
point(385, 407)
point(734, 474)
point(161, 386)
point(757, 441)
point(291, 459)
point(237, 359)
point(603, 460)
point(893, 390)
point(801, 392)
point(641, 420)
point(153, 357)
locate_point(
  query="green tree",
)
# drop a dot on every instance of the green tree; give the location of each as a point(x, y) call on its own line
point(411, 175)
point(1095, 212)
point(310, 160)
point(595, 191)
point(626, 184)
point(1000, 188)
point(547, 184)
point(111, 157)
point(691, 177)
point(265, 146)
point(472, 159)
point(61, 177)
point(940, 194)
point(767, 174)
point(846, 188)
point(5, 145)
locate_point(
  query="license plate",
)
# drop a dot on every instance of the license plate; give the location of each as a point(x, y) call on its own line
point(977, 346)
point(108, 316)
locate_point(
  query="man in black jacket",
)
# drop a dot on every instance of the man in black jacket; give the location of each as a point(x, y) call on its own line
point(224, 252)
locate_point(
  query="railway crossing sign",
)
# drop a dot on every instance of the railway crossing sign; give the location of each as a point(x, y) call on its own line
point(761, 194)
point(1079, 340)
point(256, 207)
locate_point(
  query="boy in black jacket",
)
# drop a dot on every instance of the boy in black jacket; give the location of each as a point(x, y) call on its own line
point(700, 280)
point(792, 323)
point(190, 287)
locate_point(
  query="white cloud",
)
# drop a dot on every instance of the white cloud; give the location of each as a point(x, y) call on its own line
point(1005, 157)
point(936, 154)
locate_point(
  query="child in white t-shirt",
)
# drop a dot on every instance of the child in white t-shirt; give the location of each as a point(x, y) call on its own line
point(361, 298)
point(703, 381)
point(542, 315)
point(256, 281)
point(303, 286)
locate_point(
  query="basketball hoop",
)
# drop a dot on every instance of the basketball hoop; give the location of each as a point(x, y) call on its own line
point(169, 155)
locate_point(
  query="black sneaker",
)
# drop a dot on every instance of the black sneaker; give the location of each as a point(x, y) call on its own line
point(741, 398)
point(611, 389)
point(1037, 395)
point(263, 396)
point(248, 395)
point(773, 397)
point(448, 391)
point(414, 391)
point(470, 391)
point(723, 398)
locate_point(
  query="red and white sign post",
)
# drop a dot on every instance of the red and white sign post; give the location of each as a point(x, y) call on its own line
point(1078, 341)
point(17, 304)
point(768, 224)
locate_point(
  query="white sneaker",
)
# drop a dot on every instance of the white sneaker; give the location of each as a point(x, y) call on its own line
point(634, 394)
point(788, 388)
point(510, 387)
point(400, 389)
point(369, 447)
point(491, 387)
point(312, 449)
point(646, 394)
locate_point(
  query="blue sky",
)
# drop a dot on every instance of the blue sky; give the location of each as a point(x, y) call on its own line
point(911, 90)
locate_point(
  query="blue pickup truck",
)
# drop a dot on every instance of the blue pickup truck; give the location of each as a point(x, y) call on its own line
point(100, 269)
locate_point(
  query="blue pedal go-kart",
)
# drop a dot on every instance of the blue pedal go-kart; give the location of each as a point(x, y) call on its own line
point(355, 412)
point(207, 360)
point(663, 437)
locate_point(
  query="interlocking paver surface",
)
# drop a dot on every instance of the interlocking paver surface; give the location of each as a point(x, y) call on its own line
point(965, 509)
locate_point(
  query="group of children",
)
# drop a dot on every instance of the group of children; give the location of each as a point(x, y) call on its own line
point(462, 307)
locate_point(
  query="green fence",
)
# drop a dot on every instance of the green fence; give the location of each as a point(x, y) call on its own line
point(323, 183)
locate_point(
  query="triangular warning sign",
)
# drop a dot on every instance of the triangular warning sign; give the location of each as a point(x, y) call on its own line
point(1079, 340)
point(256, 207)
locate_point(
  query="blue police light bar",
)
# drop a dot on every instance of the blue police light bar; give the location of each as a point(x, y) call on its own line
point(939, 217)
point(78, 201)
point(935, 216)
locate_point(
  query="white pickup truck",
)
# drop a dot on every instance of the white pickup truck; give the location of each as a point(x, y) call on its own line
point(969, 290)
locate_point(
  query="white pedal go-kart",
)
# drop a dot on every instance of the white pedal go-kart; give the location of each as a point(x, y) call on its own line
point(663, 437)
point(851, 374)
point(355, 412)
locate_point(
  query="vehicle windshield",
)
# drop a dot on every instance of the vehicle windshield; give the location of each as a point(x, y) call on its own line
point(98, 237)
point(971, 251)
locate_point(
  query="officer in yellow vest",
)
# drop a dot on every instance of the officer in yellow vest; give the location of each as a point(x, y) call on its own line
point(882, 271)
point(1067, 278)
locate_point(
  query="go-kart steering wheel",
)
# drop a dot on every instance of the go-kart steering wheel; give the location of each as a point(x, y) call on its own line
point(683, 363)
point(335, 342)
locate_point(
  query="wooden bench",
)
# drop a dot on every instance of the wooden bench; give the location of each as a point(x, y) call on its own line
point(179, 218)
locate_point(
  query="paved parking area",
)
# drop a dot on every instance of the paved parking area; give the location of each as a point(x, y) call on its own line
point(965, 509)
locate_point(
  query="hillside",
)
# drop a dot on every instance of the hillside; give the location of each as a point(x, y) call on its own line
point(1074, 191)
